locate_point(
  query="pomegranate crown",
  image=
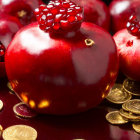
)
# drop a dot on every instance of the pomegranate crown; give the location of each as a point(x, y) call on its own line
point(59, 15)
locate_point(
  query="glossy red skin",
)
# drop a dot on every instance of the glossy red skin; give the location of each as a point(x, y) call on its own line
point(8, 27)
point(129, 56)
point(12, 7)
point(66, 73)
point(95, 11)
point(120, 11)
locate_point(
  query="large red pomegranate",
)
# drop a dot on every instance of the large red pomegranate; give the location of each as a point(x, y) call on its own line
point(61, 65)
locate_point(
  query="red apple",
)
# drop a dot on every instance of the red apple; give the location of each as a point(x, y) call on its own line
point(22, 9)
point(8, 27)
point(95, 11)
point(129, 54)
point(121, 10)
point(62, 73)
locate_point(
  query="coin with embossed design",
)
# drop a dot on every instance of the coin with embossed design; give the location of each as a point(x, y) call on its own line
point(114, 117)
point(129, 115)
point(131, 87)
point(19, 132)
point(117, 95)
point(133, 106)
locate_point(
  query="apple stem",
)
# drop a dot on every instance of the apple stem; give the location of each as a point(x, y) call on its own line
point(89, 42)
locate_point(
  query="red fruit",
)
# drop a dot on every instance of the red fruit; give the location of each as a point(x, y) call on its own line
point(95, 11)
point(8, 27)
point(121, 10)
point(133, 25)
point(129, 54)
point(62, 74)
point(2, 52)
point(59, 16)
point(22, 9)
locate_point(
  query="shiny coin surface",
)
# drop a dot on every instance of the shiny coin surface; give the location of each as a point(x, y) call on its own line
point(19, 132)
point(1, 105)
point(22, 110)
point(124, 106)
point(131, 87)
point(136, 127)
point(133, 106)
point(129, 115)
point(117, 95)
point(114, 117)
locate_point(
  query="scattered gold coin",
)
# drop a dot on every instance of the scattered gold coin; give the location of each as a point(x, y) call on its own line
point(1, 105)
point(130, 116)
point(117, 95)
point(136, 127)
point(131, 87)
point(114, 117)
point(19, 132)
point(124, 106)
point(133, 106)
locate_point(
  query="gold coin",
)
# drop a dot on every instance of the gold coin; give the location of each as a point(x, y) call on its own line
point(130, 116)
point(114, 117)
point(136, 127)
point(133, 106)
point(124, 106)
point(117, 95)
point(131, 87)
point(1, 105)
point(19, 132)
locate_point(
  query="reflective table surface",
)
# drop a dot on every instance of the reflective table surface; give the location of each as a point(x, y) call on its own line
point(90, 125)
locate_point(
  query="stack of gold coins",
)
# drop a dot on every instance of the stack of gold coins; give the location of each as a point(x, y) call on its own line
point(130, 109)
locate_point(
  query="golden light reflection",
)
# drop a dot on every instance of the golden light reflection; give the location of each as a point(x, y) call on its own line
point(24, 97)
point(21, 13)
point(32, 104)
point(14, 83)
point(107, 87)
point(43, 104)
point(103, 95)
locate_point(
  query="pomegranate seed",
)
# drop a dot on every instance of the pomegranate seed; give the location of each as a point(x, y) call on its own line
point(64, 23)
point(79, 17)
point(37, 11)
point(2, 52)
point(65, 4)
point(59, 15)
point(54, 11)
point(42, 7)
point(78, 9)
point(45, 11)
point(129, 43)
point(133, 25)
point(71, 18)
point(56, 26)
point(50, 22)
point(49, 16)
point(71, 11)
